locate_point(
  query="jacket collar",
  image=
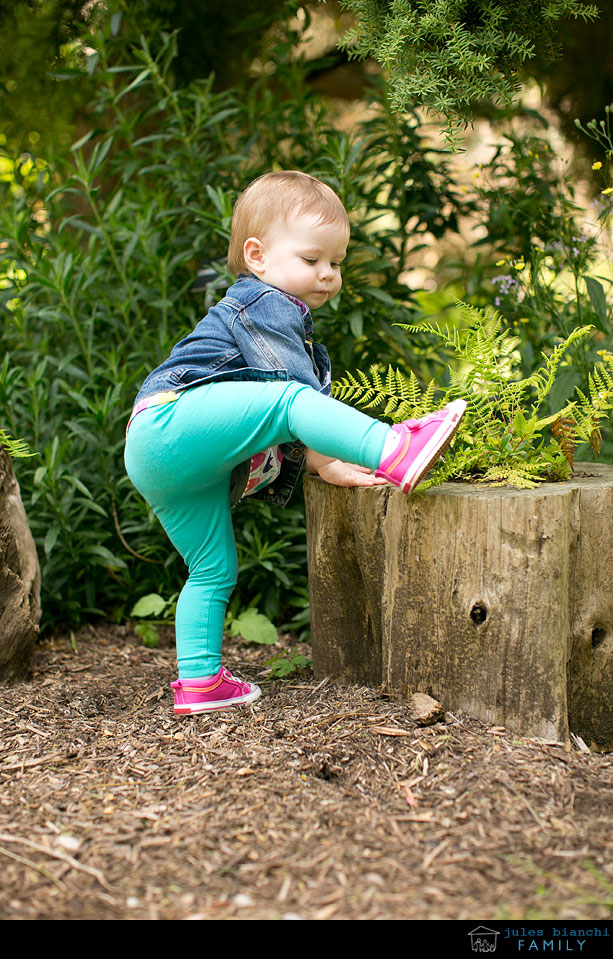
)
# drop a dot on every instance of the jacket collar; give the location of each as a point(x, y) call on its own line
point(249, 284)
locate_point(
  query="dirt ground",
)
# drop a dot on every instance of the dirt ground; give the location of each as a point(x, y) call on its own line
point(318, 802)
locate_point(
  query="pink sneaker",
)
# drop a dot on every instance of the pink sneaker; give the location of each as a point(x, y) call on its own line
point(420, 443)
point(217, 692)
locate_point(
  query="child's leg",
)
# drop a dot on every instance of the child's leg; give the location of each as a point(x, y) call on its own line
point(180, 456)
point(200, 527)
point(231, 421)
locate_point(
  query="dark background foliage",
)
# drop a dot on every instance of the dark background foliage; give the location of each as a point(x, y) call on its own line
point(41, 52)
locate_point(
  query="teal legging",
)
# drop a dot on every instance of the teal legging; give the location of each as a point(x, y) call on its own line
point(180, 457)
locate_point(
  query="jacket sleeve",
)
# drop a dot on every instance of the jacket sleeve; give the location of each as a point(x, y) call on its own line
point(270, 334)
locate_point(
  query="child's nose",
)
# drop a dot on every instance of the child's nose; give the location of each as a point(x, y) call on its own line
point(325, 270)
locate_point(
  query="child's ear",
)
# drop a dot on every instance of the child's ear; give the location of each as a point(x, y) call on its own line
point(253, 252)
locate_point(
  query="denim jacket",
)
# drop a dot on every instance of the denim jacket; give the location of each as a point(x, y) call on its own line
point(256, 332)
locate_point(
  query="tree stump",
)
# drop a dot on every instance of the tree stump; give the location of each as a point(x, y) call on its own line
point(496, 601)
point(19, 580)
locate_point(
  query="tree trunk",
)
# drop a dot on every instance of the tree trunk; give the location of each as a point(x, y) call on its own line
point(19, 580)
point(496, 601)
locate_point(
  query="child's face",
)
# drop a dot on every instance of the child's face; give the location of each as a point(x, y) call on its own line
point(302, 257)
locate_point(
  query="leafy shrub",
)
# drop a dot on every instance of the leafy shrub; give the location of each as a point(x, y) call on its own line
point(548, 256)
point(451, 56)
point(541, 259)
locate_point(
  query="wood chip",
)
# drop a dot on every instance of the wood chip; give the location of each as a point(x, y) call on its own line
point(424, 710)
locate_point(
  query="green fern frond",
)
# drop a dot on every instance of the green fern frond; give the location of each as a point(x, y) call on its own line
point(17, 449)
point(400, 396)
point(391, 406)
point(500, 439)
point(526, 476)
point(600, 383)
point(392, 382)
point(354, 390)
point(428, 397)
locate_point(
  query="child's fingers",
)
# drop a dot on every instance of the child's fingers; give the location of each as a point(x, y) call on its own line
point(370, 481)
point(362, 476)
point(346, 474)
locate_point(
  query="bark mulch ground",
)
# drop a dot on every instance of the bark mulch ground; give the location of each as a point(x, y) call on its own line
point(319, 802)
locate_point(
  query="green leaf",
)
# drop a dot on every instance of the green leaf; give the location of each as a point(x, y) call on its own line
point(519, 424)
point(148, 633)
point(564, 386)
point(380, 295)
point(91, 62)
point(254, 627)
point(50, 539)
point(287, 663)
point(108, 558)
point(598, 300)
point(100, 153)
point(142, 76)
point(150, 605)
point(77, 146)
point(80, 224)
point(356, 323)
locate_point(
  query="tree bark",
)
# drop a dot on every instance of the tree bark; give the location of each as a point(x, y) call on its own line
point(19, 580)
point(498, 602)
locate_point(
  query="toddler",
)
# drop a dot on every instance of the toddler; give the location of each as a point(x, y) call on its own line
point(243, 402)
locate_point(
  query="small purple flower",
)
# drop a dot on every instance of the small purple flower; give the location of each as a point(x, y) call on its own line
point(506, 284)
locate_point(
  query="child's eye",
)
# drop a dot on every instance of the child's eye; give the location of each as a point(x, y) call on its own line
point(308, 259)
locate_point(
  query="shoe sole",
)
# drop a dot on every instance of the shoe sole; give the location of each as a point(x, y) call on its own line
point(433, 449)
point(190, 708)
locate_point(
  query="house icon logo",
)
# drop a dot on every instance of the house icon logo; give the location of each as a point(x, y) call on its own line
point(483, 939)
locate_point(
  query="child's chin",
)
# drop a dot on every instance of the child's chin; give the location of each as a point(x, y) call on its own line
point(315, 300)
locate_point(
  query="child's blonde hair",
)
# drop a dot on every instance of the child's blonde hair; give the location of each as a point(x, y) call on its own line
point(275, 197)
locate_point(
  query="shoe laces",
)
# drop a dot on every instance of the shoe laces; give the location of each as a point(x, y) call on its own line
point(228, 675)
point(422, 420)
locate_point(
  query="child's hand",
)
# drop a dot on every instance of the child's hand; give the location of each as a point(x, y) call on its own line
point(347, 474)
